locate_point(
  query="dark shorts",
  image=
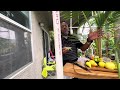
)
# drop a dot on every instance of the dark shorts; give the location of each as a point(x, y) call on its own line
point(67, 61)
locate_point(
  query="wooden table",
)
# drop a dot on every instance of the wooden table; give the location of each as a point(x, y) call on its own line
point(77, 72)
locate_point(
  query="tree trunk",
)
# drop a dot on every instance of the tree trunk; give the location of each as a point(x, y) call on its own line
point(99, 45)
point(96, 50)
point(106, 48)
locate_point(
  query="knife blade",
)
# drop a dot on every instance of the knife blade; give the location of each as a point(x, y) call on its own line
point(75, 63)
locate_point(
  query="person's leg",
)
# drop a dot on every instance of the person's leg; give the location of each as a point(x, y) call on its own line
point(64, 62)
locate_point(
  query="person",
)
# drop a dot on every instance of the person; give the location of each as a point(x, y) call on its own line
point(70, 54)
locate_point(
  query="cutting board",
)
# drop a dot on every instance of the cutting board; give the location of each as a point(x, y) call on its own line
point(102, 69)
point(96, 73)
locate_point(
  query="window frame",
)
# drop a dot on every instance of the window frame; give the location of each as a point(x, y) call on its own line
point(9, 20)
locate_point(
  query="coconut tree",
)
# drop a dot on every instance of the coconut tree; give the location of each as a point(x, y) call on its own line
point(100, 18)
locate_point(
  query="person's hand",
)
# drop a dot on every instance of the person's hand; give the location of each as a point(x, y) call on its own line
point(95, 35)
point(65, 50)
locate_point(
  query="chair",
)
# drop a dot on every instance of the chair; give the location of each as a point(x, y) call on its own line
point(48, 68)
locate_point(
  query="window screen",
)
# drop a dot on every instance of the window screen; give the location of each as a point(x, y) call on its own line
point(15, 48)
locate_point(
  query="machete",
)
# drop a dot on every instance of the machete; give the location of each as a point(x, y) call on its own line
point(75, 63)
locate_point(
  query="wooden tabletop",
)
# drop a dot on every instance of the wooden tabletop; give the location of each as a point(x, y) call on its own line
point(77, 72)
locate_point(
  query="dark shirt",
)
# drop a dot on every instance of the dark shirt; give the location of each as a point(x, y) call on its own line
point(71, 41)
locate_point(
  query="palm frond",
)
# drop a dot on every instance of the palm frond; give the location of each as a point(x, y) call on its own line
point(77, 16)
point(87, 17)
point(114, 17)
point(101, 17)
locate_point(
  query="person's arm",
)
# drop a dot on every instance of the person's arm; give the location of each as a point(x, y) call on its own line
point(91, 36)
point(86, 45)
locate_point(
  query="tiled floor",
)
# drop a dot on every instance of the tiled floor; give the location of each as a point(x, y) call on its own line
point(52, 75)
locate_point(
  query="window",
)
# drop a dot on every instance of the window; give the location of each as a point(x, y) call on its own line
point(15, 48)
point(21, 17)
